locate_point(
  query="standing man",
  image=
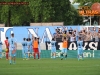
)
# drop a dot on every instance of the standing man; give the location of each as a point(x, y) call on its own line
point(35, 47)
point(64, 48)
point(12, 49)
point(7, 48)
point(0, 49)
point(53, 48)
point(80, 48)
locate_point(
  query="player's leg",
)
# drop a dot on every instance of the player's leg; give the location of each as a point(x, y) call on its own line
point(7, 54)
point(62, 54)
point(14, 58)
point(10, 56)
point(82, 54)
point(65, 53)
point(23, 54)
point(34, 53)
point(31, 52)
point(38, 53)
point(78, 54)
point(54, 52)
point(26, 54)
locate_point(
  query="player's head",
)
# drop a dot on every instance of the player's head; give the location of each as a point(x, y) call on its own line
point(38, 38)
point(27, 39)
point(24, 39)
point(6, 37)
point(53, 39)
point(12, 35)
point(35, 38)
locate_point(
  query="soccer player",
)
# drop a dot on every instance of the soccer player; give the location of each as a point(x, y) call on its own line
point(31, 47)
point(53, 48)
point(35, 47)
point(12, 49)
point(80, 48)
point(64, 48)
point(23, 47)
point(1, 49)
point(7, 48)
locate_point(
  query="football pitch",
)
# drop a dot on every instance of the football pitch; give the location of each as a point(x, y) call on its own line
point(51, 67)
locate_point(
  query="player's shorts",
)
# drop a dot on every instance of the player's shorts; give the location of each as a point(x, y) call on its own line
point(12, 54)
point(36, 50)
point(10, 51)
point(64, 50)
point(26, 50)
point(31, 50)
point(53, 49)
point(80, 51)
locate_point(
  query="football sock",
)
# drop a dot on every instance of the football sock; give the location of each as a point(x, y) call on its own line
point(61, 55)
point(26, 55)
point(54, 56)
point(66, 56)
point(34, 55)
point(38, 55)
point(10, 61)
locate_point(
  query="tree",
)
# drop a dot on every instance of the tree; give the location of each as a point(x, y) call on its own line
point(38, 11)
point(89, 3)
point(14, 14)
point(53, 11)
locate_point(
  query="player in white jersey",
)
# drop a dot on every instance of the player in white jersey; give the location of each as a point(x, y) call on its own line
point(24, 43)
point(80, 48)
point(53, 48)
point(1, 49)
point(12, 49)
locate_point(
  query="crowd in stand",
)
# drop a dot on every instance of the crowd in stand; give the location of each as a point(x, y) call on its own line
point(86, 33)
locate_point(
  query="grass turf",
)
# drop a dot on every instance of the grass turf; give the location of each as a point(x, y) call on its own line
point(50, 67)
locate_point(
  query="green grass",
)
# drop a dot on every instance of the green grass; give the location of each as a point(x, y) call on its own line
point(50, 67)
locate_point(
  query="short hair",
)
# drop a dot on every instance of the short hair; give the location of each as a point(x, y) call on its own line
point(53, 39)
point(6, 37)
point(35, 38)
point(24, 39)
point(27, 39)
point(12, 34)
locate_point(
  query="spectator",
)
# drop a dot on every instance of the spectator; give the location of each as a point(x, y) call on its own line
point(70, 30)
